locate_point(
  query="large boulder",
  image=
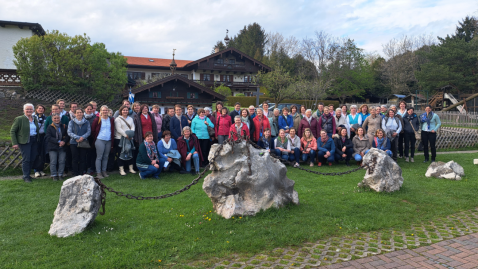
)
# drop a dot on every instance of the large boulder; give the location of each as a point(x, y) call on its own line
point(450, 170)
point(383, 173)
point(236, 191)
point(80, 200)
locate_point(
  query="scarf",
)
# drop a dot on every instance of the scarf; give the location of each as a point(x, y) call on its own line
point(379, 142)
point(410, 117)
point(72, 115)
point(58, 131)
point(166, 145)
point(180, 124)
point(308, 119)
point(238, 129)
point(265, 141)
point(343, 139)
point(202, 118)
point(281, 144)
point(151, 150)
point(427, 118)
point(324, 140)
point(89, 116)
point(319, 113)
point(245, 119)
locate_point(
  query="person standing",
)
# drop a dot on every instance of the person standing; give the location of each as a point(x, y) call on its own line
point(90, 116)
point(56, 137)
point(265, 109)
point(79, 130)
point(352, 119)
point(223, 123)
point(341, 121)
point(261, 123)
point(39, 163)
point(124, 125)
point(178, 122)
point(309, 122)
point(296, 116)
point(128, 105)
point(158, 119)
point(319, 111)
point(103, 131)
point(252, 112)
point(430, 125)
point(372, 124)
point(327, 123)
point(392, 127)
point(344, 110)
point(24, 134)
point(95, 106)
point(61, 104)
point(55, 109)
point(364, 113)
point(199, 127)
point(411, 125)
point(218, 112)
point(144, 122)
point(167, 120)
point(190, 114)
point(248, 121)
point(236, 111)
point(274, 123)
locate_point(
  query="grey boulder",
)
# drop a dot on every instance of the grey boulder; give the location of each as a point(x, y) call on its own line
point(236, 191)
point(80, 200)
point(383, 174)
point(450, 170)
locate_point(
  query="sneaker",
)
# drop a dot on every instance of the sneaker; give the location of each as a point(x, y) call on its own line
point(42, 174)
point(412, 160)
point(296, 165)
point(99, 176)
point(406, 159)
point(400, 156)
point(425, 161)
point(311, 164)
point(139, 174)
point(104, 174)
point(28, 180)
point(330, 164)
point(319, 164)
point(37, 174)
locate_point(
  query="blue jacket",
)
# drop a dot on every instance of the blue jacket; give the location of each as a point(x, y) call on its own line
point(270, 141)
point(199, 128)
point(385, 145)
point(75, 130)
point(435, 122)
point(283, 124)
point(162, 150)
point(327, 146)
point(175, 127)
point(364, 116)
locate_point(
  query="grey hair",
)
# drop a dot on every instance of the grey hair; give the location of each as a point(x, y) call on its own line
point(373, 108)
point(257, 109)
point(237, 117)
point(308, 110)
point(208, 109)
point(393, 106)
point(185, 128)
point(55, 114)
point(385, 106)
point(338, 109)
point(251, 106)
point(27, 105)
point(276, 109)
point(353, 106)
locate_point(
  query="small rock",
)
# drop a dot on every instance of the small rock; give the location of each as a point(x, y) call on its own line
point(235, 192)
point(383, 173)
point(475, 161)
point(450, 170)
point(80, 200)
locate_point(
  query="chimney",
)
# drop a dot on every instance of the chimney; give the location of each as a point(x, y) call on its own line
point(216, 50)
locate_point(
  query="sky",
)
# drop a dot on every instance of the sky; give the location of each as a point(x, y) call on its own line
point(154, 28)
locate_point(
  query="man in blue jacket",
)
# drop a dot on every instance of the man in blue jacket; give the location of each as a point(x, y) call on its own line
point(177, 122)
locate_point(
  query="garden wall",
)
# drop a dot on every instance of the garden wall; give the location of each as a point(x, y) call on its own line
point(248, 101)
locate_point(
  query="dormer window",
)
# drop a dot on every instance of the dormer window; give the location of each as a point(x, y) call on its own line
point(151, 60)
point(220, 61)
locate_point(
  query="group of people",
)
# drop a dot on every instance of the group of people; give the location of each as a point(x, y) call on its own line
point(137, 137)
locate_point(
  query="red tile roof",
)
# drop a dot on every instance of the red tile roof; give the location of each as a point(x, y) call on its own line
point(156, 61)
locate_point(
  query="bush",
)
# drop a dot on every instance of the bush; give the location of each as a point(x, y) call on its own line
point(248, 101)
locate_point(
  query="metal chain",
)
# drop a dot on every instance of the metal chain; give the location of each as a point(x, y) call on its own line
point(230, 141)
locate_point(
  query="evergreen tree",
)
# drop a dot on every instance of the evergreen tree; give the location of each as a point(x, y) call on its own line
point(466, 29)
point(250, 40)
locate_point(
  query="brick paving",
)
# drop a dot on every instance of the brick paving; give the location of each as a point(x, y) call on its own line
point(458, 253)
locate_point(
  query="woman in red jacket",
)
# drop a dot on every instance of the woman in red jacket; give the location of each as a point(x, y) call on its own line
point(223, 123)
point(238, 128)
point(261, 123)
point(309, 122)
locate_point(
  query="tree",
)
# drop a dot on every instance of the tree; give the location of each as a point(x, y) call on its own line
point(250, 40)
point(64, 63)
point(224, 90)
point(466, 29)
point(278, 83)
point(219, 45)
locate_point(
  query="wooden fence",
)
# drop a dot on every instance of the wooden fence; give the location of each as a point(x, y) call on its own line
point(82, 100)
point(447, 138)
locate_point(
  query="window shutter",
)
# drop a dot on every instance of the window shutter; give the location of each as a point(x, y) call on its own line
point(143, 75)
point(201, 76)
point(196, 95)
point(231, 77)
point(188, 95)
point(222, 79)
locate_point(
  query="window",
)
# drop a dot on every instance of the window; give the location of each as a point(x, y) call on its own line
point(227, 78)
point(247, 78)
point(155, 94)
point(193, 95)
point(153, 75)
point(207, 77)
point(136, 75)
point(232, 61)
point(220, 61)
point(185, 75)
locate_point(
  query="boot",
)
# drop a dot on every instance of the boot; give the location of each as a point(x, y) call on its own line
point(131, 170)
point(406, 159)
point(104, 174)
point(121, 169)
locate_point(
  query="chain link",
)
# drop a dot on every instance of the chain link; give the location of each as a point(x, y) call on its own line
point(229, 141)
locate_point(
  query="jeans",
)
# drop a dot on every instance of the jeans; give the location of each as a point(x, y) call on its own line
point(195, 158)
point(57, 157)
point(322, 159)
point(357, 157)
point(388, 152)
point(29, 152)
point(294, 156)
point(432, 138)
point(39, 163)
point(394, 145)
point(150, 171)
point(102, 152)
point(410, 141)
point(348, 156)
point(78, 156)
point(310, 155)
point(401, 138)
point(160, 135)
point(221, 138)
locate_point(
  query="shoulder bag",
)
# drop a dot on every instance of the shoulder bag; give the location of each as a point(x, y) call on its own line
point(83, 144)
point(417, 134)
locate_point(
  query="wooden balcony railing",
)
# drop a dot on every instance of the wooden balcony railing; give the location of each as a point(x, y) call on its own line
point(219, 66)
point(9, 78)
point(227, 83)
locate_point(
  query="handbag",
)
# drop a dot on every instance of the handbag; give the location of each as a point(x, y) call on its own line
point(210, 131)
point(417, 134)
point(85, 144)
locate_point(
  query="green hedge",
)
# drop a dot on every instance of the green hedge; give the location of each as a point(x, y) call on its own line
point(248, 101)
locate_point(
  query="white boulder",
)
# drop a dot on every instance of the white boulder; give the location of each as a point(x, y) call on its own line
point(236, 191)
point(450, 170)
point(383, 173)
point(80, 200)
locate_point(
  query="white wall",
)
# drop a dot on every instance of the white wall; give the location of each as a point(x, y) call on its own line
point(9, 36)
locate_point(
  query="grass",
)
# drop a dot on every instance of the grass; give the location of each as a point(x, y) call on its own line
point(184, 229)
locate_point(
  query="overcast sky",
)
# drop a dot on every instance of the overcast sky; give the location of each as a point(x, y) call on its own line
point(154, 28)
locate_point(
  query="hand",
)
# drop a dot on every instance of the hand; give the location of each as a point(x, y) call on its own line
point(327, 154)
point(80, 140)
point(188, 157)
point(62, 143)
point(15, 147)
point(195, 152)
point(433, 131)
point(157, 166)
point(394, 134)
point(205, 122)
point(292, 151)
point(153, 162)
point(170, 159)
point(344, 155)
point(352, 129)
point(287, 131)
point(361, 154)
point(189, 121)
point(344, 148)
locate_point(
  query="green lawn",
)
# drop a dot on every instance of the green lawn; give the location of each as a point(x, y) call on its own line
point(137, 234)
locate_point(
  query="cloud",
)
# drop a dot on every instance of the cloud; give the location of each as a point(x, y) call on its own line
point(154, 28)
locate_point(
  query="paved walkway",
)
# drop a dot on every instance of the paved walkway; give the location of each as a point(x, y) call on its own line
point(461, 252)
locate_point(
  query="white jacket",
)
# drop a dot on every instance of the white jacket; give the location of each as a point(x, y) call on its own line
point(121, 127)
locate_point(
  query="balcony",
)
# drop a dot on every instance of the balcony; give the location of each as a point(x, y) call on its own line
point(223, 66)
point(9, 78)
point(230, 84)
